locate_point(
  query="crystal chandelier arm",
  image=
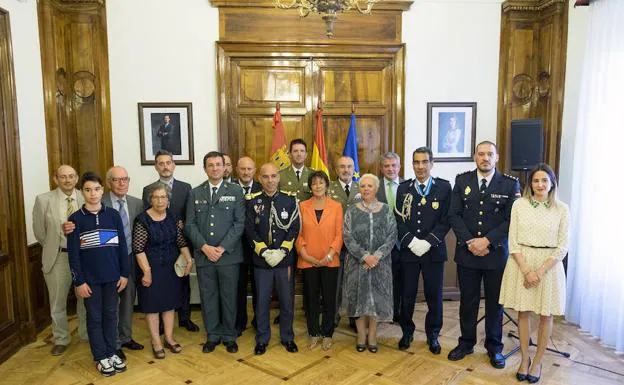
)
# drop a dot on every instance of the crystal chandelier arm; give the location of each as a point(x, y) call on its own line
point(281, 4)
point(369, 6)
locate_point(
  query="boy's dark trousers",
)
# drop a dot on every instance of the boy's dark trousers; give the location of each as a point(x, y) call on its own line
point(102, 319)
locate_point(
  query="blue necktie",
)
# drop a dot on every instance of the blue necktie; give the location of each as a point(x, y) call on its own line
point(126, 224)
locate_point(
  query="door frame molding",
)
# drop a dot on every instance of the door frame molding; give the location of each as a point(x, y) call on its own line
point(17, 250)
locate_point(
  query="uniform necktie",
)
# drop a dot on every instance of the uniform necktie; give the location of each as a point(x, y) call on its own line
point(390, 194)
point(298, 174)
point(483, 185)
point(422, 187)
point(213, 197)
point(70, 206)
point(126, 224)
point(347, 190)
point(246, 189)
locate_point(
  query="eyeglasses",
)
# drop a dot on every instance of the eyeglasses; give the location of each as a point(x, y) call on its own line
point(125, 179)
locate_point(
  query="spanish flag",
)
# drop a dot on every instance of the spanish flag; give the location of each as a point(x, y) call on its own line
point(319, 153)
point(279, 155)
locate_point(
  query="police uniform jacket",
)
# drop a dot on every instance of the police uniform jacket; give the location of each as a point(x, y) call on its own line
point(289, 183)
point(219, 224)
point(338, 193)
point(265, 231)
point(474, 214)
point(428, 221)
point(248, 249)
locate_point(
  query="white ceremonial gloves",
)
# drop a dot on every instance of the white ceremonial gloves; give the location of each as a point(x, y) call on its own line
point(273, 257)
point(419, 246)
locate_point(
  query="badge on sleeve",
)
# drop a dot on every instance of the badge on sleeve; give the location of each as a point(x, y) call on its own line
point(467, 190)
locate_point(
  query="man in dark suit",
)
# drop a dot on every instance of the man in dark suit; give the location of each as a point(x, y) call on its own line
point(479, 215)
point(215, 221)
point(228, 173)
point(178, 192)
point(346, 191)
point(169, 137)
point(422, 206)
point(246, 169)
point(390, 167)
point(128, 207)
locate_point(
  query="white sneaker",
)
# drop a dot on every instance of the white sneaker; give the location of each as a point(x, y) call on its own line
point(105, 367)
point(118, 364)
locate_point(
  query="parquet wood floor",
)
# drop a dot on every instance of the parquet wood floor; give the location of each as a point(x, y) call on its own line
point(341, 365)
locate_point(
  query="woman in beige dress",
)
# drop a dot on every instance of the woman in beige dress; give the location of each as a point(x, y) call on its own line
point(534, 279)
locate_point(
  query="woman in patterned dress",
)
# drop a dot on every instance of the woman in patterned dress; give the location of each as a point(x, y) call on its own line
point(369, 234)
point(534, 279)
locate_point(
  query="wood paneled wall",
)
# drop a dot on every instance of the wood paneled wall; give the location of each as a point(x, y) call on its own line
point(74, 55)
point(532, 71)
point(17, 326)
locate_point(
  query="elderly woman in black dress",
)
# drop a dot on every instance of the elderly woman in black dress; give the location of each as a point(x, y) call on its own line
point(157, 241)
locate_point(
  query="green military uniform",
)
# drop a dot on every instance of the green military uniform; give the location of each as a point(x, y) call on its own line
point(217, 220)
point(336, 192)
point(288, 182)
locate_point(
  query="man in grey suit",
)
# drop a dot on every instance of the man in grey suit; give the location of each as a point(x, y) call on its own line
point(165, 166)
point(128, 207)
point(49, 224)
point(215, 221)
point(390, 167)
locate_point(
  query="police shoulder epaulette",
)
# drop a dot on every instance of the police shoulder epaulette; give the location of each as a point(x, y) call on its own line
point(254, 194)
point(441, 179)
point(407, 181)
point(510, 177)
point(464, 173)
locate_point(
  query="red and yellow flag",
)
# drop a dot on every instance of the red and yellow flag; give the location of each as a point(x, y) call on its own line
point(279, 155)
point(319, 153)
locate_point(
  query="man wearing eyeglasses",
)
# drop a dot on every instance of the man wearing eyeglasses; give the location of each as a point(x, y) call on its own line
point(128, 207)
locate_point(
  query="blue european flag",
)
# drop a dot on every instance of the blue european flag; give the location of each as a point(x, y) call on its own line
point(351, 148)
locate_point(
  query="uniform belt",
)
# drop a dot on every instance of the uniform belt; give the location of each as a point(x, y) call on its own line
point(63, 249)
point(539, 247)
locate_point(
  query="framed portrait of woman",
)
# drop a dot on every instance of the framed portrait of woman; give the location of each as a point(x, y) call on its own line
point(451, 129)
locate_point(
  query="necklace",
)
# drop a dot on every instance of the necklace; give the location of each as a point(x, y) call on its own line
point(370, 206)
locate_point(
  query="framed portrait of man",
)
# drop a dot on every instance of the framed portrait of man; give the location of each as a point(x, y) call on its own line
point(451, 129)
point(166, 126)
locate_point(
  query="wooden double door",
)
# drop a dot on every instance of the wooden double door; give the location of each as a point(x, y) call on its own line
point(253, 78)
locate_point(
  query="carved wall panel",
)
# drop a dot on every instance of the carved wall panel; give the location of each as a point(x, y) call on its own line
point(74, 55)
point(532, 71)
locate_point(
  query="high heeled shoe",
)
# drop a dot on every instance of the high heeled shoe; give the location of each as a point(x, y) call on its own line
point(158, 354)
point(523, 376)
point(533, 379)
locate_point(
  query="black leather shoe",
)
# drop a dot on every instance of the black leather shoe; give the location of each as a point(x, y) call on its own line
point(459, 353)
point(434, 346)
point(290, 346)
point(373, 348)
point(132, 345)
point(121, 354)
point(534, 379)
point(189, 325)
point(260, 349)
point(276, 320)
point(209, 346)
point(497, 360)
point(231, 346)
point(522, 376)
point(405, 341)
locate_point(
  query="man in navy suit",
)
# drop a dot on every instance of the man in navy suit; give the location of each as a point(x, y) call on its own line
point(390, 167)
point(422, 221)
point(178, 192)
point(479, 215)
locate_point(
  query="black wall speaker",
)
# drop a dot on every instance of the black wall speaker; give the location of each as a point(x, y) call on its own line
point(527, 143)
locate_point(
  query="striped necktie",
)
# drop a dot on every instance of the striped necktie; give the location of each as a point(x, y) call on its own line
point(70, 206)
point(126, 224)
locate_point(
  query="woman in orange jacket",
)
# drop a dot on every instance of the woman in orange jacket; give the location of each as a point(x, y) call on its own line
point(318, 247)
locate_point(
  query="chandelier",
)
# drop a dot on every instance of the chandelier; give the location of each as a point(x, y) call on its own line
point(327, 8)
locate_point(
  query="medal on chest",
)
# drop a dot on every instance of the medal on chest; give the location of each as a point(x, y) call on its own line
point(284, 214)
